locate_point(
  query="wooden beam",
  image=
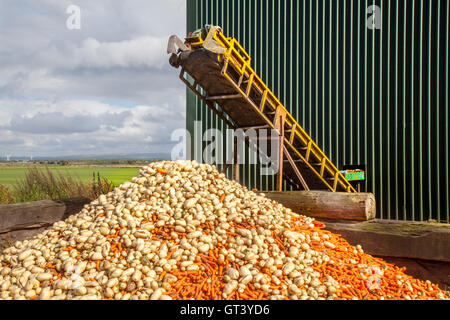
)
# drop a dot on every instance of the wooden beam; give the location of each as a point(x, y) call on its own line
point(391, 238)
point(328, 205)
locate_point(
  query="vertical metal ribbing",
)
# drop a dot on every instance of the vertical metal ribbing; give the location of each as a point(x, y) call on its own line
point(191, 100)
point(447, 133)
point(256, 54)
point(316, 104)
point(266, 64)
point(430, 186)
point(404, 123)
point(358, 85)
point(337, 85)
point(213, 20)
point(272, 54)
point(200, 109)
point(421, 108)
point(205, 119)
point(350, 114)
point(412, 141)
point(224, 18)
point(271, 44)
point(323, 135)
point(372, 134)
point(344, 92)
point(394, 130)
point(220, 6)
point(388, 100)
point(292, 52)
point(365, 159)
point(395, 123)
point(286, 99)
point(210, 20)
point(438, 154)
point(406, 70)
point(381, 133)
point(225, 15)
point(278, 65)
point(309, 106)
point(242, 36)
point(290, 76)
point(303, 67)
point(388, 109)
point(330, 91)
point(284, 83)
point(295, 57)
point(203, 111)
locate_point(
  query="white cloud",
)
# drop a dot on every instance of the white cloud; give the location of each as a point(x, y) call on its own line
point(80, 126)
point(107, 88)
point(39, 79)
point(91, 53)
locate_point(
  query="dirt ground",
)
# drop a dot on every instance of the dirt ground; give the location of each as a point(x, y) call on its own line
point(435, 271)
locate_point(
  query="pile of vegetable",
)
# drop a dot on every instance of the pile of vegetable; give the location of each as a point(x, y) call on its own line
point(181, 230)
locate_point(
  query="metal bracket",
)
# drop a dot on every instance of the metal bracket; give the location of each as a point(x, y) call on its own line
point(175, 42)
point(280, 118)
point(297, 172)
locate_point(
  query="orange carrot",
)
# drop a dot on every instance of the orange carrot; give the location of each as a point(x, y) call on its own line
point(162, 171)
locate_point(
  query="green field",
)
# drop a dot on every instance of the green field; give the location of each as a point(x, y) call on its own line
point(9, 174)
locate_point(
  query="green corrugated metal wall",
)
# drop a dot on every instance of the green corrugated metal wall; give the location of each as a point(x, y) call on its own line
point(373, 97)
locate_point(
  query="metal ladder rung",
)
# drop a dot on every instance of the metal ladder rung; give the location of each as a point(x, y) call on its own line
point(300, 161)
point(224, 97)
point(254, 128)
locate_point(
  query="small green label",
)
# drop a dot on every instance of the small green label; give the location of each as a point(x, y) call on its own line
point(355, 175)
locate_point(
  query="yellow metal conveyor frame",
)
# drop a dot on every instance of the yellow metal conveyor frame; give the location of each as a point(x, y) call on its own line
point(250, 96)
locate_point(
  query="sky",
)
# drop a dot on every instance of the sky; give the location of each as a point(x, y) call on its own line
point(105, 88)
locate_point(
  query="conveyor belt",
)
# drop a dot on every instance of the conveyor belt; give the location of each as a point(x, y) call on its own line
point(240, 98)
